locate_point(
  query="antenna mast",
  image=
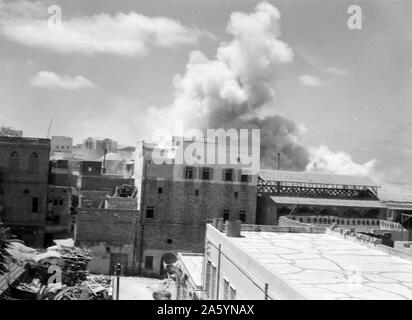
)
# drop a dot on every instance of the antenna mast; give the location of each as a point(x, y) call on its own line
point(49, 129)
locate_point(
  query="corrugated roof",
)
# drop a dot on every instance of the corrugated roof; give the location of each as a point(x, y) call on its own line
point(315, 177)
point(328, 202)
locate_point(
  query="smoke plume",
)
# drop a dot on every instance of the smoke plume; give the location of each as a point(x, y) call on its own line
point(231, 90)
point(237, 86)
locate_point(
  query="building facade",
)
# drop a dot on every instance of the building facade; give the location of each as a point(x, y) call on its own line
point(24, 167)
point(61, 144)
point(176, 199)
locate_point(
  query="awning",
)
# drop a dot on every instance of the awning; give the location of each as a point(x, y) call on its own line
point(328, 202)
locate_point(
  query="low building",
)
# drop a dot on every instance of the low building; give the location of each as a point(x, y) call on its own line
point(312, 197)
point(272, 262)
point(110, 235)
point(189, 276)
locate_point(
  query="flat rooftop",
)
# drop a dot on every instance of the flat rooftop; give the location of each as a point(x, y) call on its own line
point(319, 266)
point(193, 263)
point(328, 202)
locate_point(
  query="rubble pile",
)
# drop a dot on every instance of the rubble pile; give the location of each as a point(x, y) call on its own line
point(59, 273)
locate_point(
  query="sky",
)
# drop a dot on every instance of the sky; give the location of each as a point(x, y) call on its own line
point(112, 64)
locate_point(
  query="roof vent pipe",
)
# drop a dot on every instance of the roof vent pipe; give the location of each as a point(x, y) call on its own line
point(233, 228)
point(218, 223)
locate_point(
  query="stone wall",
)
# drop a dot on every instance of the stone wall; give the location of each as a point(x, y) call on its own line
point(110, 235)
point(180, 213)
point(19, 187)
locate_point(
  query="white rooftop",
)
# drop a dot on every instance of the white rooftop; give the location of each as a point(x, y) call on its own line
point(193, 263)
point(323, 266)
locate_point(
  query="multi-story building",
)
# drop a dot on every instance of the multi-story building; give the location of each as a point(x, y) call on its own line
point(61, 144)
point(98, 146)
point(176, 198)
point(10, 132)
point(24, 167)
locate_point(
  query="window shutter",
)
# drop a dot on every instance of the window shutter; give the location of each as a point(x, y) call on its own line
point(211, 173)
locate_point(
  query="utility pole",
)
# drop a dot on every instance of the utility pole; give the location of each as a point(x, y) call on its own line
point(117, 271)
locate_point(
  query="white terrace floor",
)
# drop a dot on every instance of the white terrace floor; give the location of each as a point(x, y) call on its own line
point(322, 266)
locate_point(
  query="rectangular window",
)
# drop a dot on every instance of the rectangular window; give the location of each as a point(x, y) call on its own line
point(208, 276)
point(242, 215)
point(35, 205)
point(206, 174)
point(236, 194)
point(148, 262)
point(214, 286)
point(226, 214)
point(244, 178)
point(159, 190)
point(228, 174)
point(225, 289)
point(61, 202)
point(189, 173)
point(150, 212)
point(196, 193)
point(232, 295)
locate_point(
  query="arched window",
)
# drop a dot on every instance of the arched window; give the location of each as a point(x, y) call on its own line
point(14, 162)
point(34, 163)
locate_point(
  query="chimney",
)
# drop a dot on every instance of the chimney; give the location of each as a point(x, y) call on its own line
point(218, 224)
point(278, 161)
point(104, 161)
point(233, 228)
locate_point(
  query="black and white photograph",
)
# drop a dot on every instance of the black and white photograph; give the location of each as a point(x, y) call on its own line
point(222, 151)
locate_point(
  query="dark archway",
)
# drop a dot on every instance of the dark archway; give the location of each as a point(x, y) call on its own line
point(167, 264)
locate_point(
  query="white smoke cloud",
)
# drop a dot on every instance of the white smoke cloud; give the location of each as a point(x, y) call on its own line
point(239, 80)
point(51, 80)
point(232, 89)
point(123, 34)
point(322, 159)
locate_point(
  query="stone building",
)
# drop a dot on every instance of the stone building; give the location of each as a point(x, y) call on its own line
point(96, 147)
point(24, 167)
point(10, 132)
point(61, 144)
point(110, 234)
point(177, 198)
point(94, 186)
point(59, 218)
